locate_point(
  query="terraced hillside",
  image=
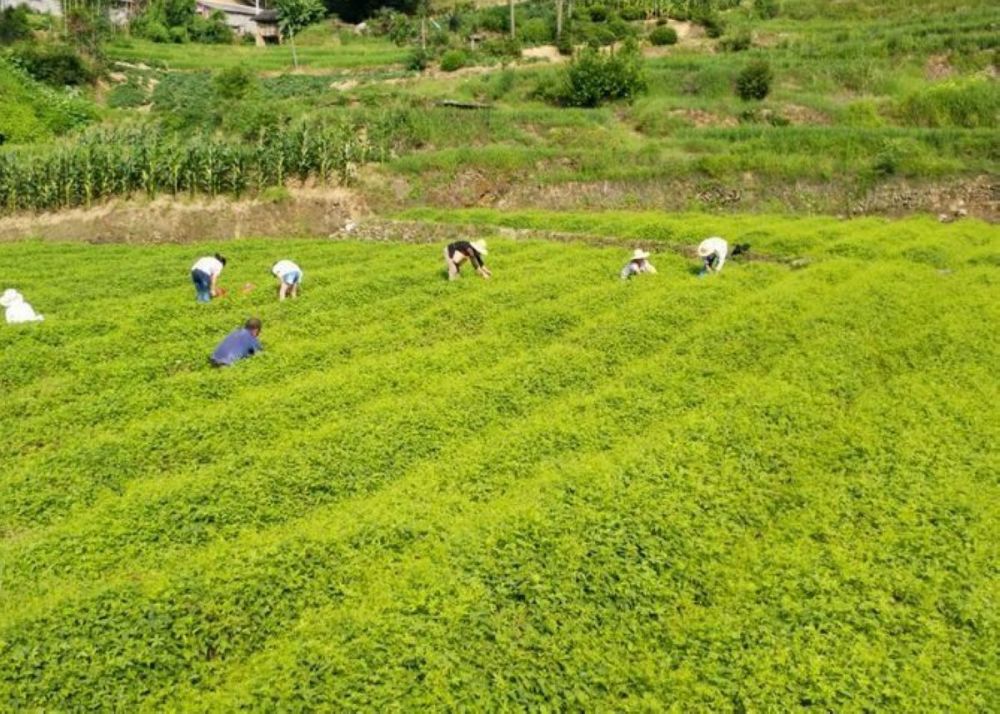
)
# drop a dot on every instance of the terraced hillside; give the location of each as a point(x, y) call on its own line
point(768, 489)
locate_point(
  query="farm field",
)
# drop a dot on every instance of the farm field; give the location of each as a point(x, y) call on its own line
point(765, 490)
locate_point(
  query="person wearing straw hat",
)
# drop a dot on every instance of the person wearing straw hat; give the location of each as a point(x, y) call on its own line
point(289, 277)
point(458, 252)
point(638, 264)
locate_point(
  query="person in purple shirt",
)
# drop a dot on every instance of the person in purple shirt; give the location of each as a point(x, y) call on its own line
point(238, 344)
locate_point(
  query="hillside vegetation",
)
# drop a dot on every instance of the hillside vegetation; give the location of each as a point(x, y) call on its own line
point(855, 102)
point(769, 489)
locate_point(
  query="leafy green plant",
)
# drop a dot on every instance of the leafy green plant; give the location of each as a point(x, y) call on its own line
point(235, 83)
point(754, 81)
point(593, 78)
point(742, 482)
point(453, 60)
point(663, 35)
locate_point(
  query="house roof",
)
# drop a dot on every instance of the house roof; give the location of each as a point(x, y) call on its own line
point(232, 8)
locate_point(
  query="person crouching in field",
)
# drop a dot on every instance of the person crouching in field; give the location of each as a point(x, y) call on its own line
point(713, 252)
point(289, 277)
point(238, 344)
point(16, 309)
point(205, 276)
point(638, 264)
point(458, 252)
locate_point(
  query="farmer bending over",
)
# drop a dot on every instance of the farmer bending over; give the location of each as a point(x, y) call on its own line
point(289, 277)
point(238, 344)
point(458, 252)
point(205, 276)
point(638, 264)
point(713, 252)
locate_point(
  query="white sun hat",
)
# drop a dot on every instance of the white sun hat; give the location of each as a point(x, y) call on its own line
point(480, 246)
point(705, 248)
point(9, 297)
point(640, 254)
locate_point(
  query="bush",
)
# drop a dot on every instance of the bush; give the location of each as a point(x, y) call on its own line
point(620, 29)
point(128, 95)
point(452, 60)
point(56, 65)
point(156, 31)
point(417, 60)
point(502, 47)
point(565, 43)
point(213, 30)
point(663, 35)
point(754, 82)
point(235, 83)
point(536, 31)
point(765, 9)
point(739, 42)
point(602, 36)
point(632, 13)
point(598, 13)
point(179, 35)
point(594, 78)
point(14, 25)
point(713, 25)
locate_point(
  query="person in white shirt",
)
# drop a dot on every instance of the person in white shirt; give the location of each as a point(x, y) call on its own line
point(638, 264)
point(289, 277)
point(205, 276)
point(713, 252)
point(16, 309)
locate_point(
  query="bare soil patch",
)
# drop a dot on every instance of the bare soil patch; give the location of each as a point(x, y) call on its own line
point(308, 211)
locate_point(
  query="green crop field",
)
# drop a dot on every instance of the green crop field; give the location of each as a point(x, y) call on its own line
point(769, 489)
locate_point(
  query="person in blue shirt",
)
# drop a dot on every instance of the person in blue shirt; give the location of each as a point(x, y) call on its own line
point(238, 344)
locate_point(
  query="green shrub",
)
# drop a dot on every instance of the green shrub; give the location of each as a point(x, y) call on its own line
point(453, 60)
point(502, 47)
point(536, 31)
point(179, 35)
point(54, 64)
point(235, 82)
point(597, 13)
point(766, 9)
point(14, 25)
point(754, 82)
point(739, 42)
point(632, 13)
point(565, 43)
point(714, 27)
point(212, 30)
point(601, 36)
point(417, 60)
point(620, 29)
point(663, 35)
point(594, 78)
point(156, 31)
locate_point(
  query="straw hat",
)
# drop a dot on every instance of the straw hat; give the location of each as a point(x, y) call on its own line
point(10, 296)
point(640, 254)
point(480, 246)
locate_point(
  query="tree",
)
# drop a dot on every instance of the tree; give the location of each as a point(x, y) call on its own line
point(293, 15)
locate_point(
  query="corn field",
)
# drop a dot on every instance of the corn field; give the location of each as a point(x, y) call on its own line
point(121, 162)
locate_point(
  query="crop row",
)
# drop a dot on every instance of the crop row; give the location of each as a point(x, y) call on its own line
point(120, 162)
